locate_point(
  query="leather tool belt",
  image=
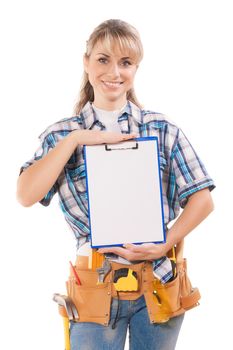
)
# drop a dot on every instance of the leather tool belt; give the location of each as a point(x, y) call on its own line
point(93, 299)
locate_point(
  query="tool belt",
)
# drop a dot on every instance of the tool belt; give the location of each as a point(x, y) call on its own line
point(93, 300)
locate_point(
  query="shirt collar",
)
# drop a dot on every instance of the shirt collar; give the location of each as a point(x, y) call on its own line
point(89, 116)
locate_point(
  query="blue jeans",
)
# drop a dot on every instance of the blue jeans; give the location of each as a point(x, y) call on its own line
point(142, 334)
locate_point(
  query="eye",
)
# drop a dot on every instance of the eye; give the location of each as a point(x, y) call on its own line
point(102, 60)
point(126, 63)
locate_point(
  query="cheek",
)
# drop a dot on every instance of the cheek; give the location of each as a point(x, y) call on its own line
point(92, 76)
point(130, 76)
point(95, 73)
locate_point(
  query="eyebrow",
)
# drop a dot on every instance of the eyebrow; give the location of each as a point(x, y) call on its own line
point(104, 54)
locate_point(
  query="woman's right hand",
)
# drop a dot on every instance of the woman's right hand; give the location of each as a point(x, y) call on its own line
point(97, 137)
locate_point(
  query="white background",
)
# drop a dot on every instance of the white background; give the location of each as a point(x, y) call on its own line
point(186, 74)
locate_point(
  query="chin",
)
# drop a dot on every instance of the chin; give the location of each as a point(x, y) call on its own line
point(114, 97)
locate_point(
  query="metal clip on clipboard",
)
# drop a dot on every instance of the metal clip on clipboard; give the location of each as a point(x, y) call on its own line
point(121, 147)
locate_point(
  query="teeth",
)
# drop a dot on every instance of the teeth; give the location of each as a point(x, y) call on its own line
point(108, 83)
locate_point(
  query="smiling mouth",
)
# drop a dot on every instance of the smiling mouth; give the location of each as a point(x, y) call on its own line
point(112, 84)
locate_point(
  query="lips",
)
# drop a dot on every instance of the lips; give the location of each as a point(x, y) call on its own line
point(112, 84)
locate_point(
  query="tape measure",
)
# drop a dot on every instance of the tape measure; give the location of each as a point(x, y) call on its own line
point(125, 280)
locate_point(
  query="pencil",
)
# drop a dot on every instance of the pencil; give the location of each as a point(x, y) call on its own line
point(75, 274)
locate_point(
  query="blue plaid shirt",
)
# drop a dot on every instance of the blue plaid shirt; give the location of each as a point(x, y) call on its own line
point(182, 171)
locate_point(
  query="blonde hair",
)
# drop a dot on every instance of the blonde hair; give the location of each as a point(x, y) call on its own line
point(111, 33)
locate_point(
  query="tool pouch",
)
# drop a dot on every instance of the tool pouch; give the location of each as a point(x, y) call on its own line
point(170, 299)
point(92, 300)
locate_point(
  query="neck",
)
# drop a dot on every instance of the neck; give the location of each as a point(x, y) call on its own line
point(110, 105)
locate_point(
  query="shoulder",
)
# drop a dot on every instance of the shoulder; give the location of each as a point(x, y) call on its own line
point(159, 120)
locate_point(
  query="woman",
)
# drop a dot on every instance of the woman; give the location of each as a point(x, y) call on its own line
point(108, 112)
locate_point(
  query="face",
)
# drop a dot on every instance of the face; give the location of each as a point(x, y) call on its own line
point(111, 75)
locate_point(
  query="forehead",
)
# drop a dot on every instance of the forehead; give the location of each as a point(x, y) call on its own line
point(114, 48)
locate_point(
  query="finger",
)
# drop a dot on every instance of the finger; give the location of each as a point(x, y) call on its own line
point(129, 136)
point(115, 250)
point(134, 248)
point(124, 253)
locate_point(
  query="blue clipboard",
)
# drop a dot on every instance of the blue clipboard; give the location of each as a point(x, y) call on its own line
point(124, 190)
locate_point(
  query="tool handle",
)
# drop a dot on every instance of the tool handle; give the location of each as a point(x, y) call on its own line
point(66, 333)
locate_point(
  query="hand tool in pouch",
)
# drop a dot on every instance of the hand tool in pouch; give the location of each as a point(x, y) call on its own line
point(75, 274)
point(96, 259)
point(125, 280)
point(68, 304)
point(103, 271)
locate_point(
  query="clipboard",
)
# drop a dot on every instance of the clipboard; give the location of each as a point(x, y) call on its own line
point(124, 193)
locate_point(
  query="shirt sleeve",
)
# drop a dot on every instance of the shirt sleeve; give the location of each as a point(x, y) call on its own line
point(46, 144)
point(190, 173)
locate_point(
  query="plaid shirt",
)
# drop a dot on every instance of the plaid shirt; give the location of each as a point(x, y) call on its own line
point(182, 171)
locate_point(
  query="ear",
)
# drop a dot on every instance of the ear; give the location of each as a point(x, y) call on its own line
point(85, 63)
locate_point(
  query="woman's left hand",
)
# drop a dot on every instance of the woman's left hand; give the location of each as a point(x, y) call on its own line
point(145, 251)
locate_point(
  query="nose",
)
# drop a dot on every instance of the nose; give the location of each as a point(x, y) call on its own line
point(114, 71)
